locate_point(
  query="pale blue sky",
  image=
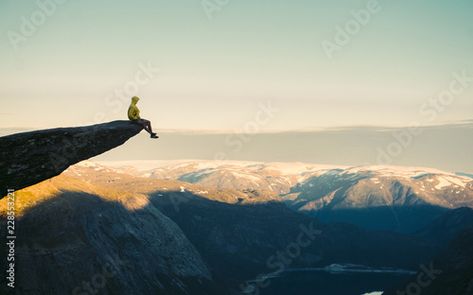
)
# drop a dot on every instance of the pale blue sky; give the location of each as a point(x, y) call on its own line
point(213, 72)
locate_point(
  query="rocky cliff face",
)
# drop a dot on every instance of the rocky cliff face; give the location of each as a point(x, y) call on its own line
point(74, 237)
point(30, 157)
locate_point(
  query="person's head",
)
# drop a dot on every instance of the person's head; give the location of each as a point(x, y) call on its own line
point(135, 99)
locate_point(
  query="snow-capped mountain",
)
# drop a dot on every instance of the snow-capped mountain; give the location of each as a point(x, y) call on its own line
point(273, 178)
point(314, 187)
point(374, 186)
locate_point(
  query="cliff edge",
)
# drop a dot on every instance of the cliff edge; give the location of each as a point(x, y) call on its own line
point(31, 157)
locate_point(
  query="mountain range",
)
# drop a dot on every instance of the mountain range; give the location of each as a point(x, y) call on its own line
point(204, 227)
point(403, 199)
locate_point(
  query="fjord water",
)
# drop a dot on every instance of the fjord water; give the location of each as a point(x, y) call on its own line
point(323, 283)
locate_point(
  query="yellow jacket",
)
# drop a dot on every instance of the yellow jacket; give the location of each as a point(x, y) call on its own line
point(133, 110)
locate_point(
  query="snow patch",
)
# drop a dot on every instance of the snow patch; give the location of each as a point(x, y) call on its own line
point(375, 180)
point(445, 181)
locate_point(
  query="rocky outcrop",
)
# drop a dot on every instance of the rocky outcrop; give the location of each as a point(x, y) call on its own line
point(30, 157)
point(80, 238)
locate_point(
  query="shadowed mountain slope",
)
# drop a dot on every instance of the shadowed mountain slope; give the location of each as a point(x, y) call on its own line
point(78, 238)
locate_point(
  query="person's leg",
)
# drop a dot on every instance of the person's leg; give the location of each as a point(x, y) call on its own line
point(153, 134)
point(145, 124)
point(149, 126)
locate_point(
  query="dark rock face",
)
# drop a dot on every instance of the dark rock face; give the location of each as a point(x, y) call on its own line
point(78, 243)
point(447, 227)
point(30, 157)
point(238, 241)
point(451, 272)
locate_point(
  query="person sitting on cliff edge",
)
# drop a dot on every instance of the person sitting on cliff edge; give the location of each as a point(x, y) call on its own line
point(134, 115)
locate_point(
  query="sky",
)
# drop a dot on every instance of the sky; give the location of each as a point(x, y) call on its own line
point(236, 65)
point(446, 147)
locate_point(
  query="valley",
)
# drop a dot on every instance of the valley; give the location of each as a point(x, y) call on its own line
point(202, 227)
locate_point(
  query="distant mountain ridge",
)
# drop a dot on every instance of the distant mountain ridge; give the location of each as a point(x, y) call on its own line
point(470, 175)
point(403, 199)
point(314, 187)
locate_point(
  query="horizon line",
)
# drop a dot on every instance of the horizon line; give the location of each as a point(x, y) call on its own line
point(459, 123)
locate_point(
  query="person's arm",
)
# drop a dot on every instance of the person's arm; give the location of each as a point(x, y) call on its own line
point(137, 113)
point(134, 113)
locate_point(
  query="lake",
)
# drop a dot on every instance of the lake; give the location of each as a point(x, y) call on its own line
point(335, 280)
